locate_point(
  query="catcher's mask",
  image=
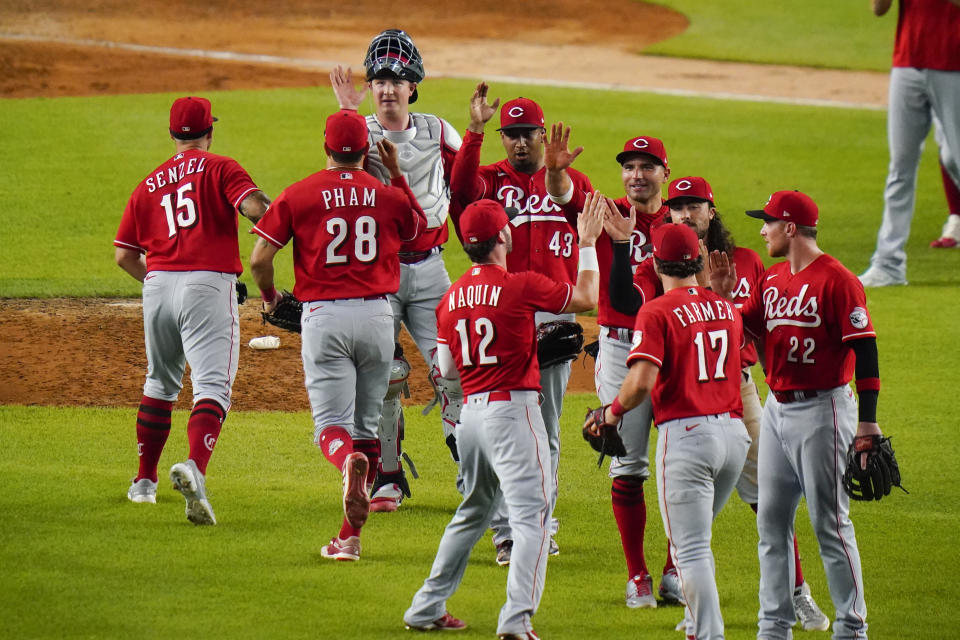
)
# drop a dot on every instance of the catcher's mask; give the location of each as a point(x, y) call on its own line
point(392, 53)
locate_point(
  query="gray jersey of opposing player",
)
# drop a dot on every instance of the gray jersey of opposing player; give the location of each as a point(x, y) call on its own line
point(419, 147)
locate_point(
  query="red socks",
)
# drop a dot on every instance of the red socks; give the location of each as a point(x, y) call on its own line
point(371, 449)
point(630, 512)
point(951, 191)
point(153, 427)
point(335, 444)
point(203, 429)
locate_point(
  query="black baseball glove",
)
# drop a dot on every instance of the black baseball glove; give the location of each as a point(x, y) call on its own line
point(558, 341)
point(608, 443)
point(286, 315)
point(882, 471)
point(241, 292)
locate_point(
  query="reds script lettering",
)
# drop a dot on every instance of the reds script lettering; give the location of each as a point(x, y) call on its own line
point(795, 311)
point(703, 312)
point(175, 173)
point(474, 295)
point(339, 198)
point(513, 196)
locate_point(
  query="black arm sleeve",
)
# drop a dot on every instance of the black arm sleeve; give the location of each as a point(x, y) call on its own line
point(867, 367)
point(624, 297)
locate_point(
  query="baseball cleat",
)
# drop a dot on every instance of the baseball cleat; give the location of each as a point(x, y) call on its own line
point(808, 613)
point(670, 589)
point(344, 550)
point(527, 635)
point(445, 623)
point(554, 547)
point(950, 235)
point(640, 592)
point(504, 551)
point(356, 502)
point(188, 480)
point(387, 498)
point(874, 277)
point(142, 490)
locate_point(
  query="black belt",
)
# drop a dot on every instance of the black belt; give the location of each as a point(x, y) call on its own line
point(413, 257)
point(786, 397)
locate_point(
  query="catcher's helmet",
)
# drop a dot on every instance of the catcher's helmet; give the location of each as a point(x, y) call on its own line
point(392, 52)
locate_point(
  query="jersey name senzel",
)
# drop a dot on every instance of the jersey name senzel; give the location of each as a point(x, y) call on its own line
point(796, 311)
point(175, 173)
point(352, 197)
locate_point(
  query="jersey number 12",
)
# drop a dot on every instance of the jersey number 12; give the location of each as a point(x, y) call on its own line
point(483, 327)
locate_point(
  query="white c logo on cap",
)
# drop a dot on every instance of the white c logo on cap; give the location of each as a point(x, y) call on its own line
point(515, 112)
point(641, 143)
point(683, 185)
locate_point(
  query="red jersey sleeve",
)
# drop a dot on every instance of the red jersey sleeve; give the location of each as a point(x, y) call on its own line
point(646, 282)
point(276, 225)
point(236, 182)
point(127, 233)
point(465, 183)
point(850, 308)
point(544, 294)
point(410, 226)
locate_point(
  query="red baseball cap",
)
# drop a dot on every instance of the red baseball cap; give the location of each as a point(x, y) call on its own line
point(482, 220)
point(789, 206)
point(691, 187)
point(345, 132)
point(675, 243)
point(644, 144)
point(190, 118)
point(520, 113)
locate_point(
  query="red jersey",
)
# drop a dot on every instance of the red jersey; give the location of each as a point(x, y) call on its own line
point(544, 233)
point(804, 320)
point(184, 214)
point(749, 270)
point(928, 35)
point(693, 335)
point(486, 319)
point(346, 228)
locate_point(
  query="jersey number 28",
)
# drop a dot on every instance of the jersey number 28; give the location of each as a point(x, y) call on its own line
point(364, 240)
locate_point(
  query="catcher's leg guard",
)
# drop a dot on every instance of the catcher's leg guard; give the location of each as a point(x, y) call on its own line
point(449, 395)
point(391, 424)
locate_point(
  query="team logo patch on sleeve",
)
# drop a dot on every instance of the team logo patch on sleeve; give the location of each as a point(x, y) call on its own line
point(637, 338)
point(858, 318)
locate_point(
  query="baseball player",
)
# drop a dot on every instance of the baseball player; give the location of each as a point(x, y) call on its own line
point(178, 236)
point(691, 202)
point(924, 85)
point(346, 227)
point(950, 236)
point(644, 171)
point(426, 145)
point(810, 315)
point(544, 234)
point(685, 355)
point(487, 337)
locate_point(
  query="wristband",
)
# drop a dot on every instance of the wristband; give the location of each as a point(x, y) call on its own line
point(868, 384)
point(616, 408)
point(268, 295)
point(588, 259)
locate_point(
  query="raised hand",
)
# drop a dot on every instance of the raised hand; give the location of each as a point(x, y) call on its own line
point(390, 157)
point(480, 110)
point(347, 95)
point(556, 153)
point(590, 220)
point(619, 229)
point(723, 274)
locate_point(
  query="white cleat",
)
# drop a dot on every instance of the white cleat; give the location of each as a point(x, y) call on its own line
point(143, 490)
point(188, 480)
point(808, 613)
point(387, 498)
point(874, 277)
point(640, 592)
point(670, 588)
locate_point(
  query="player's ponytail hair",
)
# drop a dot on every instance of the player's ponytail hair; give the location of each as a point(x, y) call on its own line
point(719, 237)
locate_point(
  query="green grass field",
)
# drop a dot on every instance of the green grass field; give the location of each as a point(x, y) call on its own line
point(79, 561)
point(815, 33)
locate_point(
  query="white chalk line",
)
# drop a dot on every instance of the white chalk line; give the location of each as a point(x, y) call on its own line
point(310, 63)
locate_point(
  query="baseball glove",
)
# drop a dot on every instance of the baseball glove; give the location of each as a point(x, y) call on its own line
point(558, 341)
point(882, 471)
point(286, 315)
point(241, 292)
point(608, 443)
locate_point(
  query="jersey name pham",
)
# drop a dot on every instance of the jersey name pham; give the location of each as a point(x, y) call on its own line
point(474, 295)
point(349, 197)
point(176, 173)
